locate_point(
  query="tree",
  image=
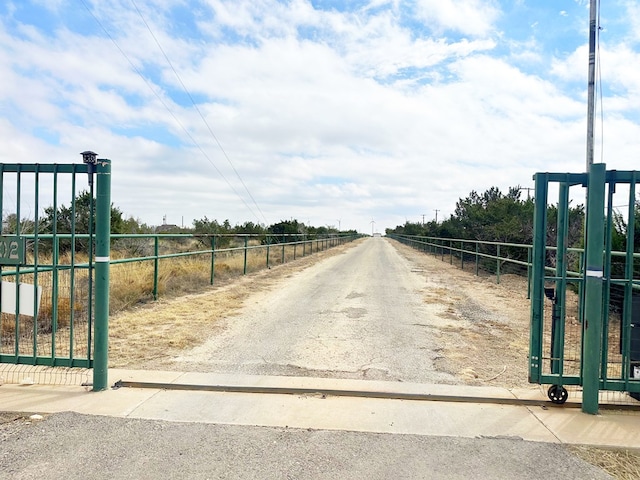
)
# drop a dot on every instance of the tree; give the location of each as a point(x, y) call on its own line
point(66, 222)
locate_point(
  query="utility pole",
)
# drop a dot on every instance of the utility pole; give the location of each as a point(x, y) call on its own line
point(591, 97)
point(372, 224)
point(436, 210)
point(423, 215)
point(528, 189)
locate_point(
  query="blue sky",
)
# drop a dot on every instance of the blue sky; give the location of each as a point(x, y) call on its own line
point(320, 110)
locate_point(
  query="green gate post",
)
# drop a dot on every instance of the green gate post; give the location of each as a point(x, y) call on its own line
point(103, 248)
point(538, 256)
point(592, 324)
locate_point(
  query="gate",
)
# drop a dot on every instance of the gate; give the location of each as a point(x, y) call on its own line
point(54, 265)
point(585, 303)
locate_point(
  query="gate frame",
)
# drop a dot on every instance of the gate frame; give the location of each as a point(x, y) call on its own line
point(594, 275)
point(102, 169)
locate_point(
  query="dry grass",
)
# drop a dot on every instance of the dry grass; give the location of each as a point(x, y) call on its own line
point(620, 464)
point(131, 288)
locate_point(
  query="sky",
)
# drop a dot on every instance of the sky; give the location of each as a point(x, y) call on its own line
point(348, 113)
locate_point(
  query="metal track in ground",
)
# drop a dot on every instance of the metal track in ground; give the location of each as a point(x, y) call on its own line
point(421, 397)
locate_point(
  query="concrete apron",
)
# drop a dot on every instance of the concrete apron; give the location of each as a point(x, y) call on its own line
point(317, 411)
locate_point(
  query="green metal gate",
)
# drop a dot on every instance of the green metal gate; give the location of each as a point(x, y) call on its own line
point(54, 264)
point(585, 313)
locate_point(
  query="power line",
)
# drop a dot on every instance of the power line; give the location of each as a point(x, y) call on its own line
point(193, 140)
point(204, 120)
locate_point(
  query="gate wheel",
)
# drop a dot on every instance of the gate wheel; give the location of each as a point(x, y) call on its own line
point(557, 394)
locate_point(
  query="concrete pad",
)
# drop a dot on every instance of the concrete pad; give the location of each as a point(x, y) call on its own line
point(52, 399)
point(609, 428)
point(199, 378)
point(441, 418)
point(156, 376)
point(344, 413)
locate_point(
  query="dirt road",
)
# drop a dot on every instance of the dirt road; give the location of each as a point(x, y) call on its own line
point(356, 315)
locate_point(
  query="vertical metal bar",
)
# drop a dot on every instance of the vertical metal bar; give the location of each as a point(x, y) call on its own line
point(268, 242)
point(451, 252)
point(477, 259)
point(246, 242)
point(592, 325)
point(528, 272)
point(625, 327)
point(606, 297)
point(498, 264)
point(90, 315)
point(35, 262)
point(557, 348)
point(284, 240)
point(156, 265)
point(72, 272)
point(17, 298)
point(538, 263)
point(213, 259)
point(1, 223)
point(55, 259)
point(103, 250)
point(295, 245)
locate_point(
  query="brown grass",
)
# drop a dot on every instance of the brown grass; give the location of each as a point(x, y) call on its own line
point(620, 464)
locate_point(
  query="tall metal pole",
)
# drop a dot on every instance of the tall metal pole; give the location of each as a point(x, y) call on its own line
point(592, 324)
point(593, 29)
point(103, 248)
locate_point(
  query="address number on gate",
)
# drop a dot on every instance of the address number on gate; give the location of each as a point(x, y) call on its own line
point(11, 250)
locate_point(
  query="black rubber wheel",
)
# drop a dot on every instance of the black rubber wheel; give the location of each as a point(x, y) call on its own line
point(557, 394)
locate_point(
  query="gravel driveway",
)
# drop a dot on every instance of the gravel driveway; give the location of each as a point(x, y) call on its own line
point(356, 315)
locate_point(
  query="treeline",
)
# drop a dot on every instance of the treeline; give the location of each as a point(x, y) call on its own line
point(65, 219)
point(276, 232)
point(494, 216)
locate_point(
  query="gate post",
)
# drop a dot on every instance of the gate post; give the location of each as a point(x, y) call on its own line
point(103, 248)
point(592, 324)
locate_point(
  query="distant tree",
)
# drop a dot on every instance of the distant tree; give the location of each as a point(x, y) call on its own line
point(65, 222)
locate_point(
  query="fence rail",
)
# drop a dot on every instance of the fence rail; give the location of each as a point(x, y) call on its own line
point(492, 257)
point(133, 248)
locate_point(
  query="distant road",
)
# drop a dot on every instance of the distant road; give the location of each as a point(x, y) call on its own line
point(355, 315)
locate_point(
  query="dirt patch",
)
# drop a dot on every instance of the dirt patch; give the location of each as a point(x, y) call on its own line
point(483, 327)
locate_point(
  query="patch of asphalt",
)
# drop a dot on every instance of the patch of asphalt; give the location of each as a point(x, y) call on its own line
point(74, 446)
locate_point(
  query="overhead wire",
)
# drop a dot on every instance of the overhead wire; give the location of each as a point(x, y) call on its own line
point(164, 104)
point(195, 105)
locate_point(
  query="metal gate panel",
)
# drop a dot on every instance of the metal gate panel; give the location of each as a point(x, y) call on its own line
point(582, 301)
point(48, 264)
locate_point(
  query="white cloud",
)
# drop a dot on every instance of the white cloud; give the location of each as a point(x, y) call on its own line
point(468, 17)
point(325, 114)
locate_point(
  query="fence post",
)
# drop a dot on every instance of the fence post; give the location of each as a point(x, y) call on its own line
point(156, 265)
point(246, 243)
point(498, 264)
point(593, 272)
point(103, 249)
point(213, 259)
